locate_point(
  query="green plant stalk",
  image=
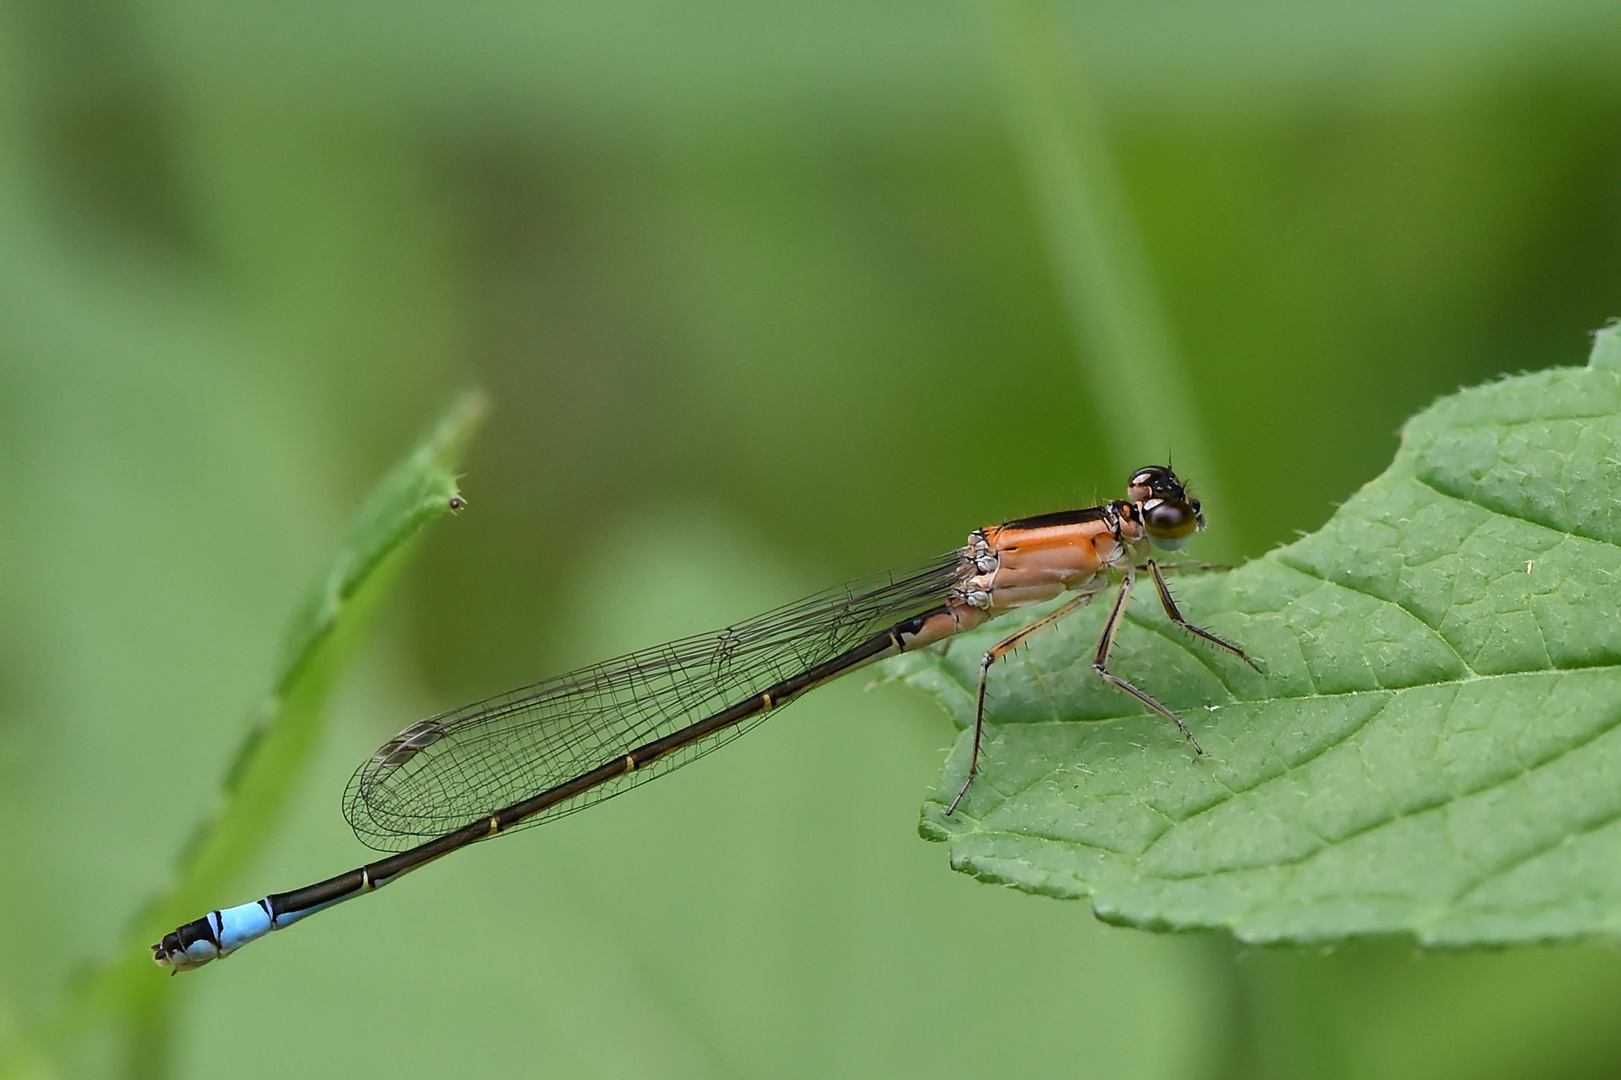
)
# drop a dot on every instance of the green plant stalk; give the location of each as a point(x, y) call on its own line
point(1122, 334)
point(273, 756)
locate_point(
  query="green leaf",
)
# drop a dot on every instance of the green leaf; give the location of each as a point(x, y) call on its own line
point(1432, 748)
point(277, 748)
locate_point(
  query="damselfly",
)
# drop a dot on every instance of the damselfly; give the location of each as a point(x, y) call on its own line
point(546, 750)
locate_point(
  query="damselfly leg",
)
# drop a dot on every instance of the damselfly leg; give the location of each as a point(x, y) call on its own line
point(1175, 615)
point(1100, 656)
point(992, 655)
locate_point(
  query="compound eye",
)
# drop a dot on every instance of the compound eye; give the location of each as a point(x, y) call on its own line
point(1170, 520)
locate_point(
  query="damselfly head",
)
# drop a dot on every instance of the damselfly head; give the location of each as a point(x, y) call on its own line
point(1170, 515)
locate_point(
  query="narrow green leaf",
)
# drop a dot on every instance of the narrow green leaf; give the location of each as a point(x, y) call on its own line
point(1432, 750)
point(277, 748)
point(270, 758)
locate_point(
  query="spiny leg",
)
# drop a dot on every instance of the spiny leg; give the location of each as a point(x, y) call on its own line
point(1100, 659)
point(1175, 616)
point(992, 655)
point(1186, 567)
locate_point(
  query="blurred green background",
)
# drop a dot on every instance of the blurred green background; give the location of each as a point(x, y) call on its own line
point(765, 297)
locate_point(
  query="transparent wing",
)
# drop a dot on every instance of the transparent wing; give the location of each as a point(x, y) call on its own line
point(452, 769)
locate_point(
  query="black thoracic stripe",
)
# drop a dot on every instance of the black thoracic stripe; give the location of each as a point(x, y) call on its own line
point(380, 873)
point(1062, 517)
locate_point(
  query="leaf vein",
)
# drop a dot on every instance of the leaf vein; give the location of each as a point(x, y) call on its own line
point(1287, 768)
point(1512, 516)
point(1436, 633)
point(1418, 810)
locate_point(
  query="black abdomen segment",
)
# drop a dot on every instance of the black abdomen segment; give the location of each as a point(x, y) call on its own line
point(287, 908)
